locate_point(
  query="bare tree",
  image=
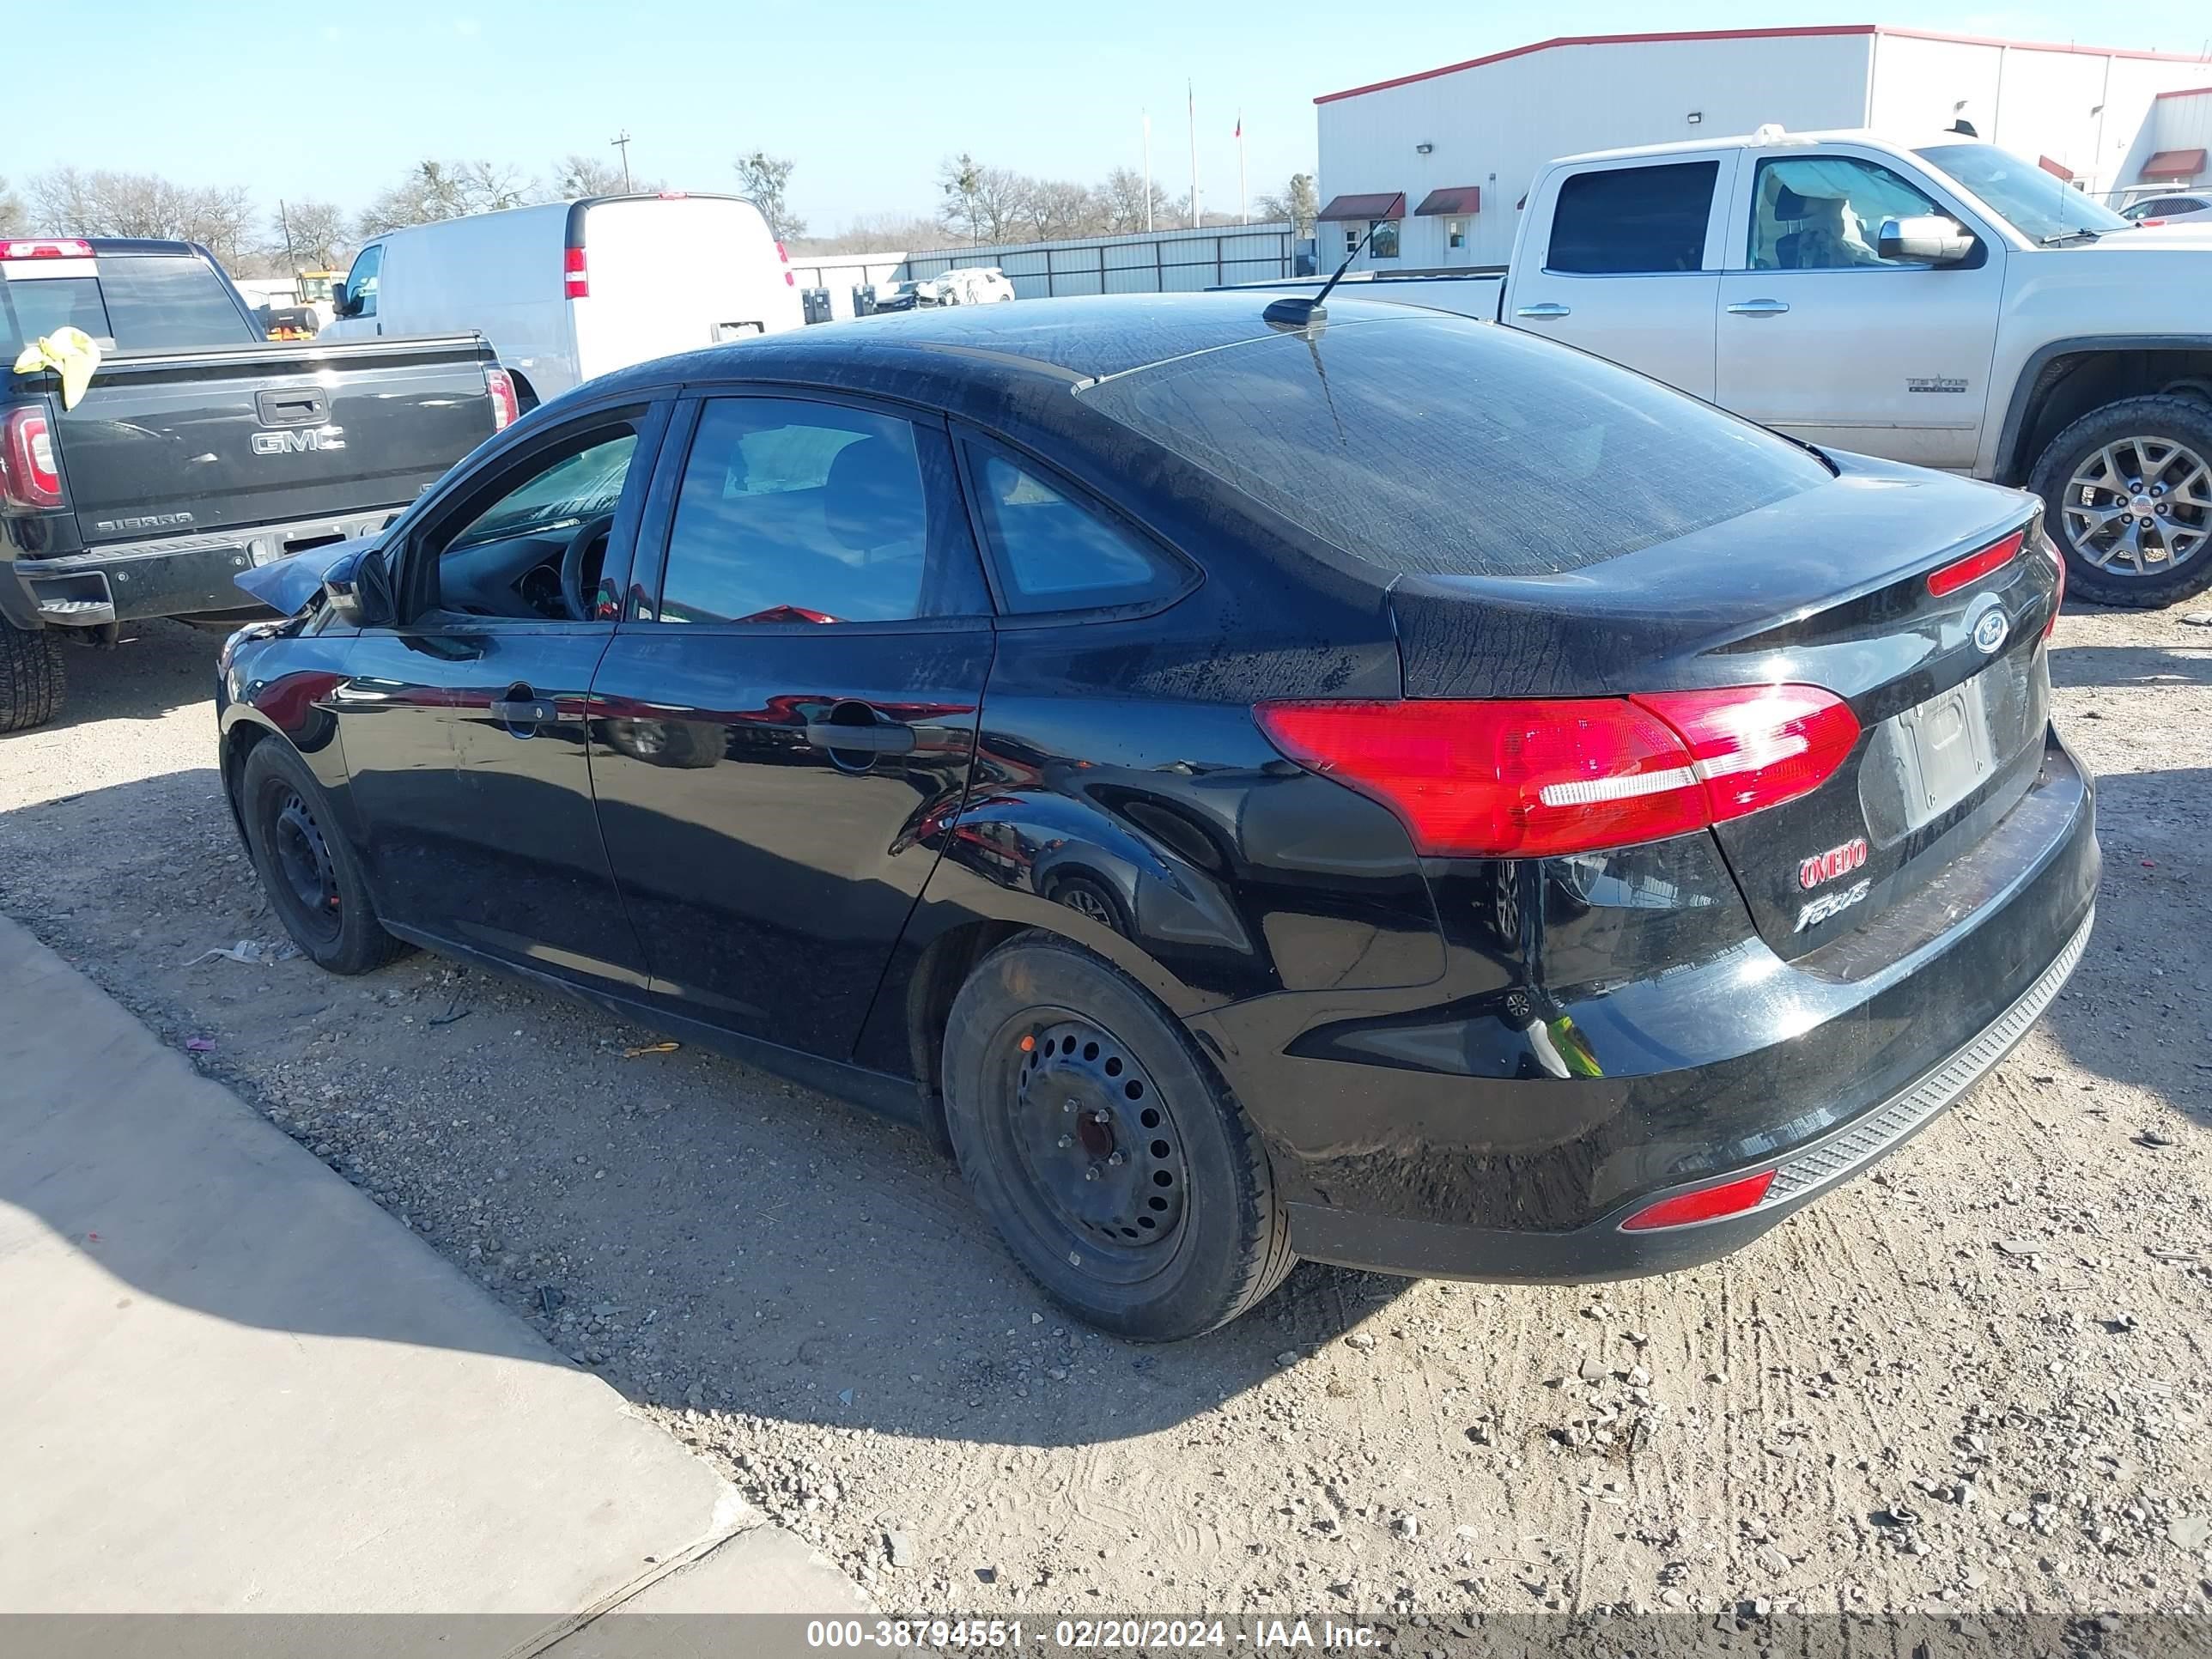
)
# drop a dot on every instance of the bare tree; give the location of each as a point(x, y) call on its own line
point(1054, 209)
point(492, 186)
point(69, 202)
point(577, 174)
point(1298, 203)
point(431, 190)
point(11, 211)
point(983, 203)
point(1121, 203)
point(310, 236)
point(764, 177)
point(877, 232)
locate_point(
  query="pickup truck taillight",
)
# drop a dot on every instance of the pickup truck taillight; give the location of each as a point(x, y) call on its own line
point(506, 407)
point(28, 476)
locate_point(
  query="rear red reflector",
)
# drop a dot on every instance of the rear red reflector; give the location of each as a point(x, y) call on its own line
point(47, 248)
point(575, 282)
point(1538, 778)
point(781, 254)
point(1975, 566)
point(672, 195)
point(28, 476)
point(1706, 1204)
point(2058, 593)
point(506, 407)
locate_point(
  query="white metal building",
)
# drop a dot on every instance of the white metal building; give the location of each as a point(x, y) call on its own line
point(1438, 161)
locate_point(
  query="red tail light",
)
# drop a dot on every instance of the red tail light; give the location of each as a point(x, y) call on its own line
point(789, 281)
point(2058, 593)
point(1706, 1204)
point(28, 476)
point(506, 407)
point(1975, 566)
point(575, 284)
point(1532, 778)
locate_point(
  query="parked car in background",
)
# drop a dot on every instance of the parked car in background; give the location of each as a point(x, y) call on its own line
point(1946, 304)
point(574, 290)
point(200, 449)
point(1398, 791)
point(2169, 210)
point(969, 285)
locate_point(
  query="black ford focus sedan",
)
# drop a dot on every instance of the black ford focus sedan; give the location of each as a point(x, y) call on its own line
point(1390, 791)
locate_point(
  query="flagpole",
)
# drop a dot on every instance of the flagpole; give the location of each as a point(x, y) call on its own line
point(1243, 195)
point(1191, 93)
point(1148, 171)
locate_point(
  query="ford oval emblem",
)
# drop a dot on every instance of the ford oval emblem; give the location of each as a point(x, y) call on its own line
point(1990, 632)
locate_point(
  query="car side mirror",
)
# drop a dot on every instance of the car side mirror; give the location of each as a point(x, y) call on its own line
point(343, 304)
point(1926, 239)
point(358, 590)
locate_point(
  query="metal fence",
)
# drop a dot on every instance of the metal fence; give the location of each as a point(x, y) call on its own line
point(1161, 262)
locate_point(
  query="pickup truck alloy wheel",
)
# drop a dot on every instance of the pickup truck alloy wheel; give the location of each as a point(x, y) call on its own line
point(2129, 491)
point(1122, 1175)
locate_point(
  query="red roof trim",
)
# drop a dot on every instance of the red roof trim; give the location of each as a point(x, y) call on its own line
point(1823, 29)
point(2188, 92)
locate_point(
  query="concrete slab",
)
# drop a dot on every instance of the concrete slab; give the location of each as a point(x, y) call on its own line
point(232, 1383)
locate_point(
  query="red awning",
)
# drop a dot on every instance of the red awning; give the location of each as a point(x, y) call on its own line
point(1379, 204)
point(1454, 199)
point(2173, 164)
point(2054, 169)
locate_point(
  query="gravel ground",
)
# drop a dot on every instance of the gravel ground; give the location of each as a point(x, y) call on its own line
point(1977, 1378)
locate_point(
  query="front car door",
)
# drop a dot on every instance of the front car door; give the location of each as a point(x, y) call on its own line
point(1630, 266)
point(1823, 337)
point(791, 711)
point(464, 731)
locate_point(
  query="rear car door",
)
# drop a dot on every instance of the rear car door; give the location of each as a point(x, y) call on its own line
point(1630, 265)
point(792, 710)
point(465, 742)
point(1821, 336)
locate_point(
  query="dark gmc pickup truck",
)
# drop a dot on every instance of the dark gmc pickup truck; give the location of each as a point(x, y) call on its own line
point(199, 450)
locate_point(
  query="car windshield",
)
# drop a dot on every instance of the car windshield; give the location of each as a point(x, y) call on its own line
point(2040, 205)
point(1438, 444)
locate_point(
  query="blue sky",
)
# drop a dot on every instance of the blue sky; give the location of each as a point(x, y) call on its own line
point(334, 98)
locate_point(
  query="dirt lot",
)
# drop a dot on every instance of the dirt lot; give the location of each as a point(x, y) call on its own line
point(1978, 1376)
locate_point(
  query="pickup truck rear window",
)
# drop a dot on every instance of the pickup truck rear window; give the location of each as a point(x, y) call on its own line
point(1444, 446)
point(170, 302)
point(32, 306)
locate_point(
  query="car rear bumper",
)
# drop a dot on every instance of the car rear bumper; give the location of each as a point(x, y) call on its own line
point(1454, 1164)
point(1602, 1250)
point(175, 576)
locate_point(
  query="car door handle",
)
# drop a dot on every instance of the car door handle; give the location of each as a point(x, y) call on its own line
point(1758, 307)
point(525, 711)
point(1544, 312)
point(885, 737)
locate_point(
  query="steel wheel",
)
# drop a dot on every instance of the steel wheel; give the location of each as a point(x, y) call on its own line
point(2139, 507)
point(1100, 1156)
point(305, 866)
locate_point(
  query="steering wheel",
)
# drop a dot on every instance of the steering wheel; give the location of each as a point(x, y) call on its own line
point(572, 564)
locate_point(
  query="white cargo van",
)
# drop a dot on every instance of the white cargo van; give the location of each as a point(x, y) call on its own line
point(571, 289)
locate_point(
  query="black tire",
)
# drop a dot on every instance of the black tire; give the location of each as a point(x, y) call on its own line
point(1193, 1173)
point(2164, 419)
point(31, 684)
point(313, 882)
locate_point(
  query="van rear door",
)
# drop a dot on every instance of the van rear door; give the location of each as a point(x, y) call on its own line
point(664, 274)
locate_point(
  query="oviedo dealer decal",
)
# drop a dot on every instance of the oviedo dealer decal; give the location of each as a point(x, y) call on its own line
point(1836, 861)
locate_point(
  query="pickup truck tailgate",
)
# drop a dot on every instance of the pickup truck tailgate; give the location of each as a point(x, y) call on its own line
point(179, 442)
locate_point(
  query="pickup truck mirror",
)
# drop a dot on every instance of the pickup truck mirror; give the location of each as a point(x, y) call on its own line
point(1926, 238)
point(358, 590)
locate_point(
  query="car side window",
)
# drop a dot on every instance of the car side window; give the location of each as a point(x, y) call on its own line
point(1054, 553)
point(501, 554)
point(798, 512)
point(1825, 213)
point(1620, 222)
point(361, 281)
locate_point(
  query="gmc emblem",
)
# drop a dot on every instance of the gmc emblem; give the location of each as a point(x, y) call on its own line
point(296, 441)
point(1836, 861)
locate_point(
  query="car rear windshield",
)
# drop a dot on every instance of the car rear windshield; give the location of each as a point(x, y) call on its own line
point(1445, 446)
point(34, 308)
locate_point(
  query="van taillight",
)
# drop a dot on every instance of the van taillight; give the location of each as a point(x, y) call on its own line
point(789, 280)
point(506, 407)
point(1542, 777)
point(28, 476)
point(575, 284)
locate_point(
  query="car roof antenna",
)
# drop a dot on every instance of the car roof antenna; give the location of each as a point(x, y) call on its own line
point(1296, 310)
